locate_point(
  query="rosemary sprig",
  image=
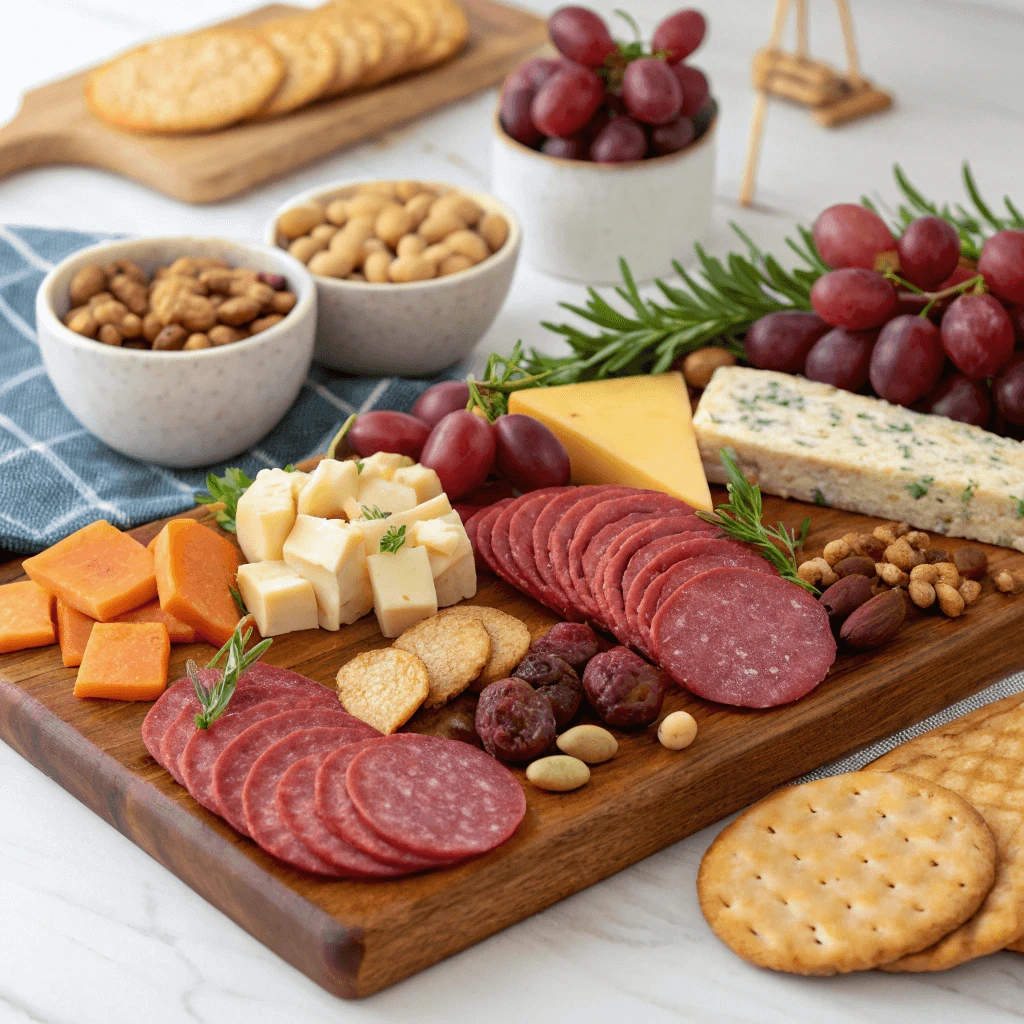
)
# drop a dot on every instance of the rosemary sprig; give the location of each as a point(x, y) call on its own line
point(392, 540)
point(214, 699)
point(502, 376)
point(373, 512)
point(740, 518)
point(224, 492)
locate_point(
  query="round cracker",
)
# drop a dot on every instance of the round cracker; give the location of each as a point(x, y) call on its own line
point(424, 24)
point(311, 63)
point(454, 648)
point(383, 688)
point(510, 640)
point(399, 37)
point(359, 42)
point(451, 30)
point(192, 83)
point(846, 873)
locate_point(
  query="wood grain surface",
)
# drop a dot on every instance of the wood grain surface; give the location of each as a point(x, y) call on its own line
point(356, 937)
point(54, 126)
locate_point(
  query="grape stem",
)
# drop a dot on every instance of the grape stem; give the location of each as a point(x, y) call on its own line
point(975, 285)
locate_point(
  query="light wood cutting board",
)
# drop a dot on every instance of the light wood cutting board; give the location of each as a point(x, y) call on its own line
point(54, 126)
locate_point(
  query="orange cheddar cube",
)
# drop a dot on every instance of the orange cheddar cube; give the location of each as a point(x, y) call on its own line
point(26, 618)
point(98, 570)
point(195, 571)
point(73, 630)
point(125, 661)
point(152, 612)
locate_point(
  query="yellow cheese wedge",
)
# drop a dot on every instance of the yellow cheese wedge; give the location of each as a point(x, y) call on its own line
point(629, 431)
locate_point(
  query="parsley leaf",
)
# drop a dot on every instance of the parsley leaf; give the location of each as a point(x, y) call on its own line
point(919, 489)
point(392, 540)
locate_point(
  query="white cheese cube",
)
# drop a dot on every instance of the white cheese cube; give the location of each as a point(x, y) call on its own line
point(265, 516)
point(380, 494)
point(403, 589)
point(436, 535)
point(440, 562)
point(280, 600)
point(330, 555)
point(298, 480)
point(373, 529)
point(457, 582)
point(425, 482)
point(327, 488)
point(381, 465)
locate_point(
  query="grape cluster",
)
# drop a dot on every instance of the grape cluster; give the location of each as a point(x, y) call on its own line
point(605, 101)
point(908, 319)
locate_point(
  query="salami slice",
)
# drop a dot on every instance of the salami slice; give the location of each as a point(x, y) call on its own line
point(264, 822)
point(483, 532)
point(612, 567)
point(338, 814)
point(666, 583)
point(745, 638)
point(502, 548)
point(435, 797)
point(295, 799)
point(654, 504)
point(542, 528)
point(162, 714)
point(673, 553)
point(195, 765)
point(231, 769)
point(472, 525)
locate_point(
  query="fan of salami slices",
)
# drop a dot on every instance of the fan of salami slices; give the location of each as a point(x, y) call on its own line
point(326, 793)
point(645, 567)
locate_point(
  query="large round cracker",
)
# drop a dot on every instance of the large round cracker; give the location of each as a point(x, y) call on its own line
point(981, 757)
point(359, 42)
point(192, 83)
point(451, 31)
point(399, 41)
point(510, 640)
point(424, 24)
point(846, 873)
point(311, 62)
point(454, 648)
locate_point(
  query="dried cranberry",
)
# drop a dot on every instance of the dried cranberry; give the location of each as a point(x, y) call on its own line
point(623, 689)
point(514, 722)
point(555, 679)
point(576, 642)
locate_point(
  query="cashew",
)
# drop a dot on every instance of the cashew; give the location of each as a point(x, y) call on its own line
point(393, 222)
point(970, 591)
point(337, 212)
point(455, 204)
point(918, 539)
point(386, 189)
point(454, 264)
point(81, 321)
point(836, 551)
point(902, 554)
point(418, 207)
point(817, 572)
point(332, 264)
point(368, 205)
point(493, 229)
point(948, 574)
point(437, 254)
point(892, 574)
point(435, 227)
point(411, 268)
point(406, 190)
point(921, 593)
point(1009, 582)
point(884, 533)
point(468, 243)
point(950, 601)
point(410, 245)
point(901, 529)
point(376, 265)
point(305, 248)
point(323, 232)
point(925, 573)
point(299, 220)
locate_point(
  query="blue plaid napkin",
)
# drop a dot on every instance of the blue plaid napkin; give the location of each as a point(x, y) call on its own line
point(55, 477)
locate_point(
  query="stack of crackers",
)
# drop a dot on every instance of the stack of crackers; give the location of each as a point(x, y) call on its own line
point(916, 864)
point(214, 78)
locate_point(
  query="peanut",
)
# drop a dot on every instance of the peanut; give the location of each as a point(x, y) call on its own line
point(170, 339)
point(1009, 582)
point(323, 232)
point(948, 574)
point(411, 268)
point(921, 593)
point(130, 293)
point(224, 335)
point(109, 335)
point(892, 574)
point(410, 245)
point(300, 220)
point(337, 212)
point(235, 312)
point(836, 551)
point(109, 312)
point(494, 230)
point(305, 248)
point(817, 572)
point(376, 265)
point(196, 313)
point(265, 323)
point(100, 297)
point(184, 266)
point(332, 263)
point(217, 281)
point(283, 302)
point(453, 264)
point(918, 540)
point(435, 228)
point(885, 534)
point(406, 190)
point(469, 244)
point(262, 293)
point(130, 326)
point(699, 367)
point(970, 591)
point(418, 207)
point(86, 283)
point(197, 341)
point(151, 326)
point(950, 601)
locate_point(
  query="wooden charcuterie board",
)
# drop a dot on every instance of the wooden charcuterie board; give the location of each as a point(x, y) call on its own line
point(355, 938)
point(54, 126)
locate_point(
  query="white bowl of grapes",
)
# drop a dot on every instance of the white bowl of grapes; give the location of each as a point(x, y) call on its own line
point(606, 151)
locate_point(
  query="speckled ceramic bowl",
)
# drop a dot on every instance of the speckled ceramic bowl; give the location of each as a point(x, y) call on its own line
point(407, 330)
point(179, 409)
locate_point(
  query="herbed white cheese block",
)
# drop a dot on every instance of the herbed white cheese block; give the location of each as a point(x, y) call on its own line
point(800, 439)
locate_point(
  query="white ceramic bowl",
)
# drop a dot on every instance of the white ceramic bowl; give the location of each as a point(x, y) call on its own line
point(579, 217)
point(407, 330)
point(180, 409)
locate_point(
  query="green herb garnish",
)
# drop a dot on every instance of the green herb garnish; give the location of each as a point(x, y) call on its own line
point(819, 498)
point(740, 518)
point(239, 603)
point(919, 488)
point(214, 699)
point(1020, 506)
point(359, 466)
point(392, 540)
point(502, 376)
point(373, 512)
point(225, 491)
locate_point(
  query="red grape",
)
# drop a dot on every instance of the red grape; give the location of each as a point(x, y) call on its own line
point(977, 335)
point(487, 494)
point(529, 454)
point(386, 431)
point(853, 298)
point(848, 235)
point(780, 341)
point(674, 136)
point(962, 273)
point(566, 149)
point(694, 84)
point(907, 359)
point(439, 400)
point(1008, 391)
point(532, 73)
point(651, 91)
point(929, 250)
point(1016, 315)
point(619, 141)
point(679, 35)
point(515, 117)
point(959, 398)
point(567, 101)
point(841, 358)
point(703, 118)
point(581, 35)
point(460, 449)
point(1002, 263)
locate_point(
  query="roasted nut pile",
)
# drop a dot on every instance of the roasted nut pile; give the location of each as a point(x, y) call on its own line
point(392, 232)
point(192, 304)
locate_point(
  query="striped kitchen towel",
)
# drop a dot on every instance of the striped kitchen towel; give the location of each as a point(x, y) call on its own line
point(55, 477)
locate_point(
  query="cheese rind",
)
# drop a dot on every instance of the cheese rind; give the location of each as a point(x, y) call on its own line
point(280, 600)
point(403, 589)
point(265, 515)
point(629, 431)
point(810, 441)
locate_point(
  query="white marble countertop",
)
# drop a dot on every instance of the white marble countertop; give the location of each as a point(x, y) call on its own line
point(93, 930)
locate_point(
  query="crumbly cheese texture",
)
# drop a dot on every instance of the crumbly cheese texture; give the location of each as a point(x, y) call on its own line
point(800, 439)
